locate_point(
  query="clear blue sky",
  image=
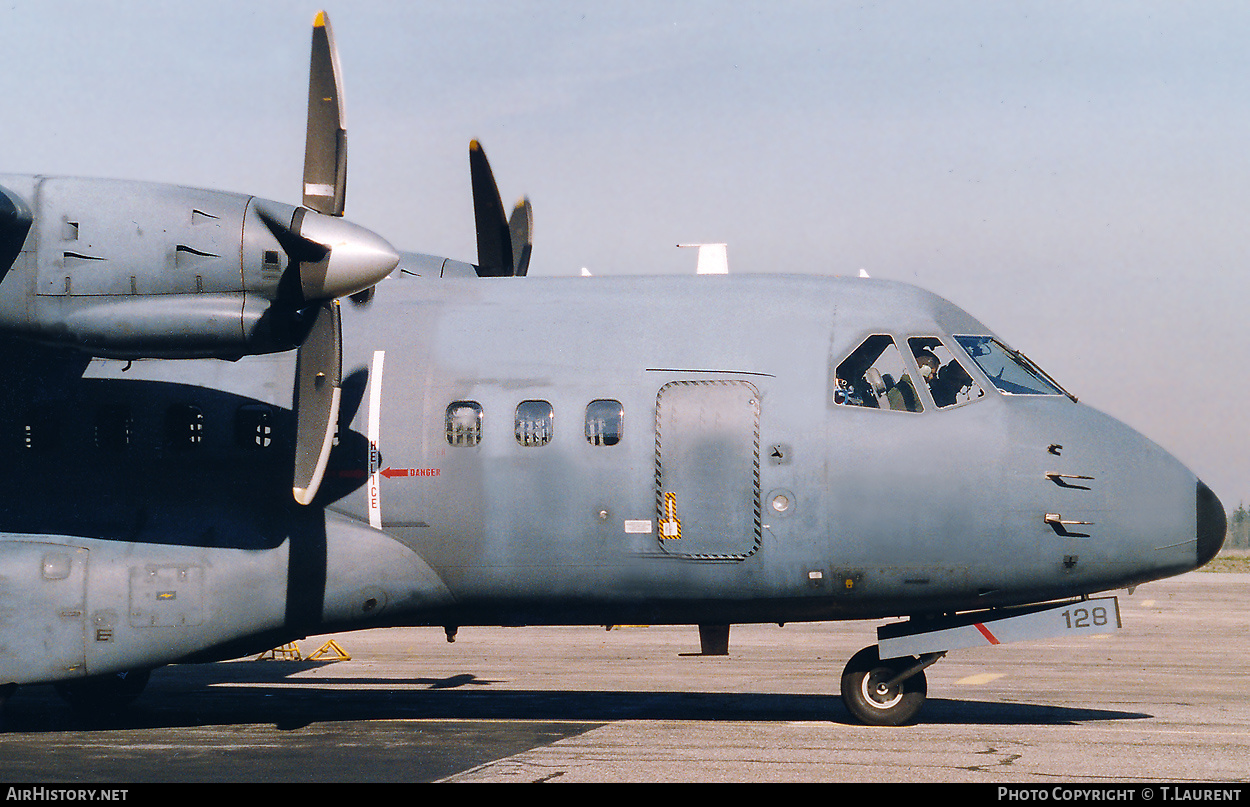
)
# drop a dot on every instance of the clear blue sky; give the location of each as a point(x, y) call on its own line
point(1076, 175)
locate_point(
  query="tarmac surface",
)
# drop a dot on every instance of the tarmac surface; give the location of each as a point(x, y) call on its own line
point(1166, 699)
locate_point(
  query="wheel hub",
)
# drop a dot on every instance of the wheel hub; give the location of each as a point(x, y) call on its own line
point(878, 692)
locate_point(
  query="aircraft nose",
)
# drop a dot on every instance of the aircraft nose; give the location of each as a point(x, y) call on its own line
point(1212, 525)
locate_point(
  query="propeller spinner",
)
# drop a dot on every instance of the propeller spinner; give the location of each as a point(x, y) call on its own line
point(334, 258)
point(15, 221)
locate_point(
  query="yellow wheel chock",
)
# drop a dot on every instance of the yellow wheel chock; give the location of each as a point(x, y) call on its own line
point(330, 651)
point(287, 652)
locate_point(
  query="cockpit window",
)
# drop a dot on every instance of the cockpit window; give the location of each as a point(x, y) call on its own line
point(1007, 369)
point(949, 383)
point(875, 377)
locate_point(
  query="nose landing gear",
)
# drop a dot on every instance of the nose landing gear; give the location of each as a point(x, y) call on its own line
point(889, 692)
point(885, 692)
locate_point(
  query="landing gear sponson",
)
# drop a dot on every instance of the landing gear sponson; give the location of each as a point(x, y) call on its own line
point(103, 695)
point(885, 684)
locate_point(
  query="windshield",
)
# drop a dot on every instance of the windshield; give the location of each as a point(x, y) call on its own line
point(1008, 369)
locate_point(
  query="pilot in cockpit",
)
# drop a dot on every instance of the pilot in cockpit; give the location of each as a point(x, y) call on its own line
point(928, 364)
point(951, 380)
point(945, 383)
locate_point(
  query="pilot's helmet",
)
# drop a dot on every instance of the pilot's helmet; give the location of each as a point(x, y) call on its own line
point(928, 364)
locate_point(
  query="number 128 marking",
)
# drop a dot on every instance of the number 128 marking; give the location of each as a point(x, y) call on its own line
point(1085, 617)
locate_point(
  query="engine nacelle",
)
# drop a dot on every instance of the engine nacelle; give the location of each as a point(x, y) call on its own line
point(134, 269)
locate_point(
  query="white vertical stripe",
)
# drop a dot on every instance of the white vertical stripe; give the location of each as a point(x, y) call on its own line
point(375, 427)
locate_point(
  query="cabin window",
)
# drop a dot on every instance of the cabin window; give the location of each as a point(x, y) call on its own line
point(464, 423)
point(253, 427)
point(184, 427)
point(604, 419)
point(1007, 369)
point(534, 421)
point(114, 428)
point(41, 430)
point(874, 377)
point(948, 381)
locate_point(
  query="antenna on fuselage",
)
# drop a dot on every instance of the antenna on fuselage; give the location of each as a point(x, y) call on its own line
point(713, 258)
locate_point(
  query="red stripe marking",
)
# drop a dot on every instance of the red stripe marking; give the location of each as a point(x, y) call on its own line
point(986, 633)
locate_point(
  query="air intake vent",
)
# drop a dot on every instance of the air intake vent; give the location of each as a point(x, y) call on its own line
point(186, 257)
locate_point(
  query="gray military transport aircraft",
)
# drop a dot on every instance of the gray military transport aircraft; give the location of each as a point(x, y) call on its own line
point(207, 457)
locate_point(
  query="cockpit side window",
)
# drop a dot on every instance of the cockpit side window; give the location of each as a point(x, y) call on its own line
point(874, 377)
point(949, 383)
point(1007, 369)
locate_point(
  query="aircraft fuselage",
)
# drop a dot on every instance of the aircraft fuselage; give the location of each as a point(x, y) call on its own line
point(795, 507)
point(567, 451)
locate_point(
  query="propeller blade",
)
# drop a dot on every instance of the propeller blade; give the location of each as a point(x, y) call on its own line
point(318, 379)
point(325, 150)
point(494, 241)
point(521, 228)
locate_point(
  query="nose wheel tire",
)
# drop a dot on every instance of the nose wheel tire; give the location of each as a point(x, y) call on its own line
point(873, 698)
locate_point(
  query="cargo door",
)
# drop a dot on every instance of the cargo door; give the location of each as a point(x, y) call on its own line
point(707, 469)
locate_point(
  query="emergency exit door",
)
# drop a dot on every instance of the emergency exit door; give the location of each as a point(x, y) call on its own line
point(707, 469)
